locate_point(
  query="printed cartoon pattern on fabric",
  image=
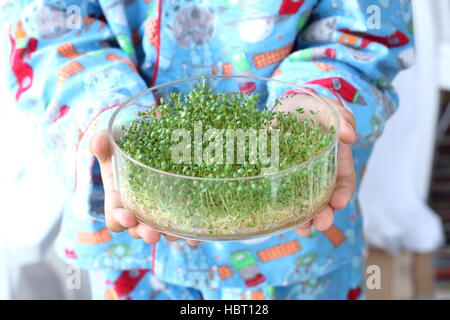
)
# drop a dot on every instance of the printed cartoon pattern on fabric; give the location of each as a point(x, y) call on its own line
point(21, 49)
point(343, 283)
point(74, 79)
point(136, 284)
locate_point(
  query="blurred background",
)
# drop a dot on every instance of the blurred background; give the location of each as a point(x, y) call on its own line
point(407, 218)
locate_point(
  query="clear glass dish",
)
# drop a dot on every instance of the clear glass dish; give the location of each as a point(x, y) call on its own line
point(226, 208)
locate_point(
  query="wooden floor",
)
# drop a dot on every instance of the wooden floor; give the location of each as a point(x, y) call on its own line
point(409, 276)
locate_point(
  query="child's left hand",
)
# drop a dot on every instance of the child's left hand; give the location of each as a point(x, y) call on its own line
point(346, 177)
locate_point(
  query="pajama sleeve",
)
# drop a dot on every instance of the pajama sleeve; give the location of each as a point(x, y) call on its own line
point(351, 51)
point(69, 69)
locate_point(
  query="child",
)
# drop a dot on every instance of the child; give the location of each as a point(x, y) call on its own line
point(72, 62)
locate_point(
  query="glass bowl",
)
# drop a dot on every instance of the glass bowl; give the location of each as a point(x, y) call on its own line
point(226, 208)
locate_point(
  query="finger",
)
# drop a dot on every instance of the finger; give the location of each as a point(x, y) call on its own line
point(118, 219)
point(170, 238)
point(304, 233)
point(133, 233)
point(346, 114)
point(304, 230)
point(345, 180)
point(306, 225)
point(348, 125)
point(148, 234)
point(347, 133)
point(324, 219)
point(193, 243)
point(343, 111)
point(125, 218)
point(101, 148)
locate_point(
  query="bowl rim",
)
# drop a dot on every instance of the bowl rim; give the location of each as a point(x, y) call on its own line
point(124, 105)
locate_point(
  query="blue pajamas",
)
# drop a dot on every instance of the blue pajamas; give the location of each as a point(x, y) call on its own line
point(73, 75)
point(347, 282)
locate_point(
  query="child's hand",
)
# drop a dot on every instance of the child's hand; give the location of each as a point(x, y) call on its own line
point(117, 217)
point(346, 177)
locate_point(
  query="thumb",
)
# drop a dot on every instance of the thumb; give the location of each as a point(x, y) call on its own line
point(348, 123)
point(348, 133)
point(101, 147)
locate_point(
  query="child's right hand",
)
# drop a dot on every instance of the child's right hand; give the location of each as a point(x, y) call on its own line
point(117, 217)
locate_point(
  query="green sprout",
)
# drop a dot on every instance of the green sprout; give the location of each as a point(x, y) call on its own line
point(224, 206)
